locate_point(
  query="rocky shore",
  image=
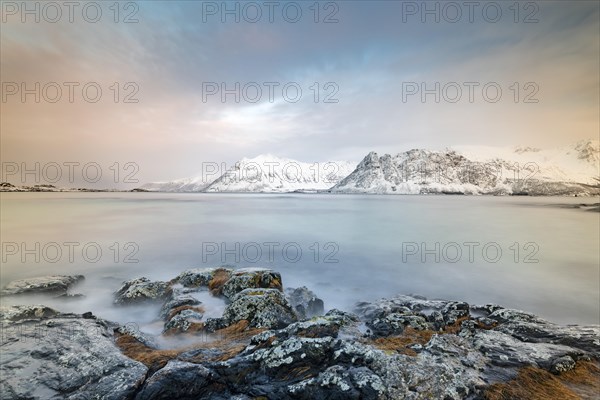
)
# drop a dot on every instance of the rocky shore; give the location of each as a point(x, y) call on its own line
point(276, 343)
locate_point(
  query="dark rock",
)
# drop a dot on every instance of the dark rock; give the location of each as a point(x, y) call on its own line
point(88, 315)
point(305, 302)
point(177, 380)
point(562, 364)
point(394, 324)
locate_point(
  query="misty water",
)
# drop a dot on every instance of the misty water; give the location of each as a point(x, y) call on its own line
point(346, 248)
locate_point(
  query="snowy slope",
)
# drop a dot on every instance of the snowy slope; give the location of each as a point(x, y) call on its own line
point(268, 173)
point(265, 173)
point(479, 170)
point(194, 184)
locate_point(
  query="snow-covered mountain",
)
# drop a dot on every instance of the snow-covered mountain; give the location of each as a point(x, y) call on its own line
point(193, 184)
point(265, 173)
point(268, 173)
point(480, 170)
point(569, 170)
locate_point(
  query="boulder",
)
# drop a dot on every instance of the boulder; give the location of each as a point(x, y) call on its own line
point(262, 308)
point(203, 277)
point(141, 289)
point(171, 305)
point(183, 320)
point(177, 380)
point(52, 284)
point(46, 354)
point(305, 302)
point(251, 278)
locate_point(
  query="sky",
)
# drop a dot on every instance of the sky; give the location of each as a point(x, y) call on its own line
point(153, 89)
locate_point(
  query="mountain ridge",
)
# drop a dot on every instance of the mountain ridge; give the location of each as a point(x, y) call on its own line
point(567, 170)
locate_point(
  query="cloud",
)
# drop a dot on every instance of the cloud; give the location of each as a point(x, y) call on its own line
point(367, 55)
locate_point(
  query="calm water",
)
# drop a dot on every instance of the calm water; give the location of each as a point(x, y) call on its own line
point(352, 247)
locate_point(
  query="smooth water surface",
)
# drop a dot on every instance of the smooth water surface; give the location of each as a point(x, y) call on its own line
point(353, 247)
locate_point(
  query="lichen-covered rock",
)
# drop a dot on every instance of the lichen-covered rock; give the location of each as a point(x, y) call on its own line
point(141, 289)
point(394, 324)
point(48, 355)
point(202, 277)
point(530, 328)
point(337, 382)
point(52, 284)
point(182, 321)
point(18, 313)
point(132, 329)
point(175, 302)
point(251, 278)
point(263, 308)
point(305, 302)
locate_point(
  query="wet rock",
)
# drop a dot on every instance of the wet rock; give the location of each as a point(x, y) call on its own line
point(318, 327)
point(202, 277)
point(214, 324)
point(46, 354)
point(506, 351)
point(263, 308)
point(182, 321)
point(394, 324)
point(251, 278)
point(19, 313)
point(133, 330)
point(52, 284)
point(530, 328)
point(341, 383)
point(171, 305)
point(177, 380)
point(415, 349)
point(141, 289)
point(562, 364)
point(305, 302)
point(453, 311)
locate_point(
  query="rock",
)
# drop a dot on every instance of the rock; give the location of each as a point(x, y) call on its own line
point(141, 289)
point(453, 311)
point(46, 354)
point(341, 383)
point(52, 284)
point(305, 302)
point(177, 380)
point(133, 330)
point(182, 321)
point(19, 313)
point(394, 324)
point(202, 277)
point(319, 327)
point(406, 347)
point(174, 303)
point(251, 278)
point(530, 328)
point(263, 308)
point(562, 364)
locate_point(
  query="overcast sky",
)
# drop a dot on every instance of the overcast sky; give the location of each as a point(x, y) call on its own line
point(372, 63)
